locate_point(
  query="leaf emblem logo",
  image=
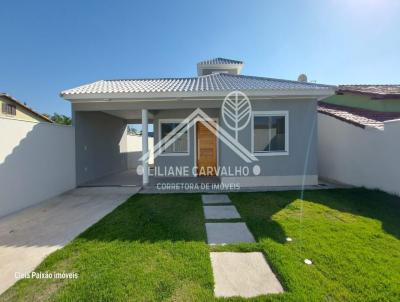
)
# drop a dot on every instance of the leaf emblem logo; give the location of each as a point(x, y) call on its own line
point(236, 111)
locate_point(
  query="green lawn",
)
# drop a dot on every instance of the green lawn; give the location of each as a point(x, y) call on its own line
point(152, 248)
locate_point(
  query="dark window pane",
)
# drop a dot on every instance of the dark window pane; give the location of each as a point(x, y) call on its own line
point(277, 129)
point(9, 109)
point(261, 133)
point(269, 133)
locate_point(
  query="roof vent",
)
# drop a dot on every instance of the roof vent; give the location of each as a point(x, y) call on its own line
point(302, 78)
point(219, 65)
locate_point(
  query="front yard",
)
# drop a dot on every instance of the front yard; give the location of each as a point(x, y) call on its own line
point(153, 248)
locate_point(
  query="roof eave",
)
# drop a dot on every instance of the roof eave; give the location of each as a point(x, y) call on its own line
point(270, 93)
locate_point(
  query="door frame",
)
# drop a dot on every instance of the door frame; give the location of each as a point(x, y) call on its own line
point(215, 119)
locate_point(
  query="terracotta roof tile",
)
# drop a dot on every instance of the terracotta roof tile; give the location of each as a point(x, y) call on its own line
point(376, 91)
point(356, 116)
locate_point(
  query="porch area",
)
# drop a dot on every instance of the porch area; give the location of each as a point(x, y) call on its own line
point(104, 154)
point(130, 178)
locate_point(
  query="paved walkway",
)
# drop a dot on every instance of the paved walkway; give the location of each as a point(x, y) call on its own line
point(235, 274)
point(28, 236)
point(219, 207)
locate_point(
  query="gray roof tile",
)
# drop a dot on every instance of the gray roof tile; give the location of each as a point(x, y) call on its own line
point(216, 61)
point(211, 82)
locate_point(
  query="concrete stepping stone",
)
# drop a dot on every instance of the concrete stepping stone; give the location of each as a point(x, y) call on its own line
point(220, 212)
point(225, 232)
point(243, 274)
point(215, 199)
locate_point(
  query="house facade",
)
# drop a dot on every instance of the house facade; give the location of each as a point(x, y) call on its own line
point(275, 146)
point(364, 106)
point(373, 98)
point(13, 109)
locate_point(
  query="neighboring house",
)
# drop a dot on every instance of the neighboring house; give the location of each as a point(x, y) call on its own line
point(363, 105)
point(281, 136)
point(14, 109)
point(359, 136)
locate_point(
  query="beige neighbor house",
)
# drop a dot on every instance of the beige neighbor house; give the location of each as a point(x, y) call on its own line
point(14, 109)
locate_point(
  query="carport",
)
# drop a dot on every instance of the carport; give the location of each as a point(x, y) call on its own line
point(101, 112)
point(101, 135)
point(101, 142)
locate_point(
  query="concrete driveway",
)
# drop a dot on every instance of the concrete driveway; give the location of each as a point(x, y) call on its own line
point(28, 236)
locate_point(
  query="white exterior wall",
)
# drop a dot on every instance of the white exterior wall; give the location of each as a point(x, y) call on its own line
point(360, 157)
point(37, 162)
point(134, 149)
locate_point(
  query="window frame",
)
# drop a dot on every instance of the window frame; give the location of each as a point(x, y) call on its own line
point(173, 121)
point(270, 113)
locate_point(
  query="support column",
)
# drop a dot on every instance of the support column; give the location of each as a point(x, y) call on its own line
point(145, 146)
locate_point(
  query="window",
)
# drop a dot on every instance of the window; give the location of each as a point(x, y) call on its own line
point(9, 109)
point(270, 133)
point(181, 144)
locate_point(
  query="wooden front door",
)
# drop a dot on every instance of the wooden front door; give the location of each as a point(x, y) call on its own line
point(206, 151)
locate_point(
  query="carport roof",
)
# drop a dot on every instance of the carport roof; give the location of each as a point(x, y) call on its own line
point(217, 82)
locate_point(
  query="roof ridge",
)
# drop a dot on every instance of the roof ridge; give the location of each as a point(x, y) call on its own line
point(162, 78)
point(276, 79)
point(150, 79)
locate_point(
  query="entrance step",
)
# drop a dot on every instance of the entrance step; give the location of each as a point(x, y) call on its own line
point(225, 233)
point(220, 212)
point(243, 274)
point(215, 199)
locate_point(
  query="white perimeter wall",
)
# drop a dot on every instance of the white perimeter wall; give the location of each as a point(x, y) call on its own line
point(37, 162)
point(360, 157)
point(134, 149)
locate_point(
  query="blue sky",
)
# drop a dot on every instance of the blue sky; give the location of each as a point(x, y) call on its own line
point(48, 46)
